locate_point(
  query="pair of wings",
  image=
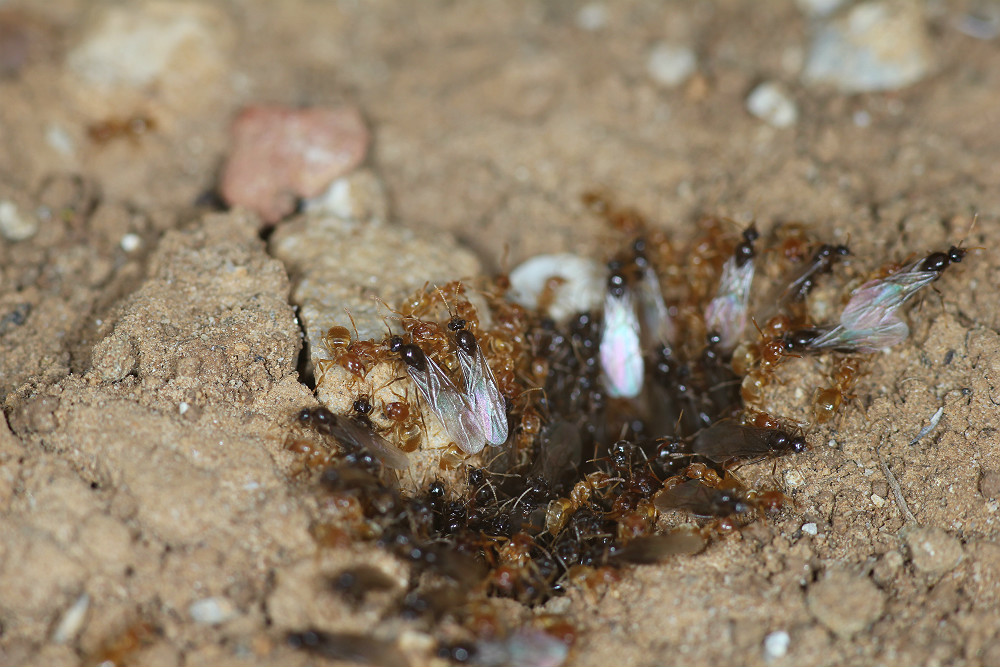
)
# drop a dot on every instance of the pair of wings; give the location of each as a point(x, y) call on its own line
point(473, 417)
point(726, 314)
point(870, 320)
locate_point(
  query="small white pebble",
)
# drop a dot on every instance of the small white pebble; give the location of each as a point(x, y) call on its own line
point(14, 225)
point(794, 478)
point(182, 407)
point(670, 64)
point(862, 118)
point(131, 242)
point(810, 529)
point(72, 621)
point(771, 103)
point(211, 611)
point(337, 199)
point(818, 8)
point(592, 17)
point(877, 500)
point(58, 139)
point(776, 644)
point(831, 443)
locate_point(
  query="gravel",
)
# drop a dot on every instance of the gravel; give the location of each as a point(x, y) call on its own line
point(845, 602)
point(875, 46)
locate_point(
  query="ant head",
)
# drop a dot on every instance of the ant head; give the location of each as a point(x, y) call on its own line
point(797, 444)
point(456, 324)
point(323, 416)
point(363, 405)
point(616, 279)
point(744, 251)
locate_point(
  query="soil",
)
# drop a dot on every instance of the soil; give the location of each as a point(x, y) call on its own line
point(149, 351)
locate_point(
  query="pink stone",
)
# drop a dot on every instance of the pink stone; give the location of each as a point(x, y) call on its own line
point(280, 154)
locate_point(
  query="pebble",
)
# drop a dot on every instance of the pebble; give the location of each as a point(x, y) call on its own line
point(154, 45)
point(933, 550)
point(887, 567)
point(989, 484)
point(671, 64)
point(592, 16)
point(845, 602)
point(113, 358)
point(875, 46)
point(280, 154)
point(130, 242)
point(810, 529)
point(358, 196)
point(14, 317)
point(771, 103)
point(776, 644)
point(59, 140)
point(582, 289)
point(72, 621)
point(36, 414)
point(212, 611)
point(15, 225)
point(794, 478)
point(818, 8)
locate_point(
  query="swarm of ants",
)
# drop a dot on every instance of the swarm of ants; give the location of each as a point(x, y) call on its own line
point(595, 426)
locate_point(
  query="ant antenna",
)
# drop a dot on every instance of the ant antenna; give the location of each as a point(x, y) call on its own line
point(357, 336)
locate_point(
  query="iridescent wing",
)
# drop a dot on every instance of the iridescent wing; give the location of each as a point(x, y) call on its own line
point(621, 356)
point(484, 395)
point(726, 314)
point(657, 325)
point(875, 302)
point(450, 406)
point(891, 331)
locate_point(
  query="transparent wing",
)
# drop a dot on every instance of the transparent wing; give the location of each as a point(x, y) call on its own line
point(484, 395)
point(454, 411)
point(346, 429)
point(621, 356)
point(726, 314)
point(655, 316)
point(890, 331)
point(875, 302)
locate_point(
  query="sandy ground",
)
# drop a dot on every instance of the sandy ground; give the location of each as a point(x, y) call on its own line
point(148, 384)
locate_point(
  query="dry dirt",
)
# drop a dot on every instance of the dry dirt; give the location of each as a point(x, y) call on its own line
point(147, 387)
